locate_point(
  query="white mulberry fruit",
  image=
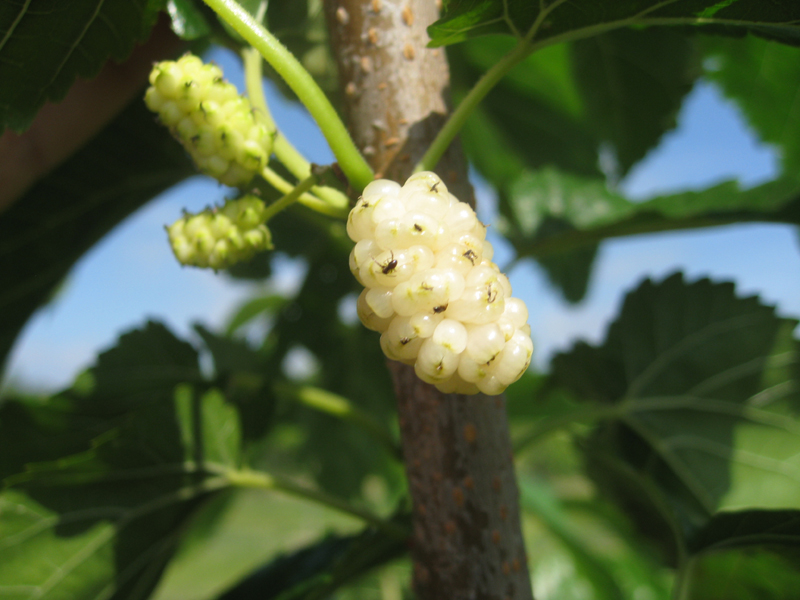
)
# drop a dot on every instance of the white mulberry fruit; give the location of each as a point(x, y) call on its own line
point(432, 290)
point(226, 138)
point(218, 238)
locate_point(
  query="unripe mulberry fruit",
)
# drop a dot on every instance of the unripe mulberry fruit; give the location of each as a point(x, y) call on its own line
point(432, 290)
point(218, 238)
point(226, 138)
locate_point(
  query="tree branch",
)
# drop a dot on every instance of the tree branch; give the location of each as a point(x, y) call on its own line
point(467, 539)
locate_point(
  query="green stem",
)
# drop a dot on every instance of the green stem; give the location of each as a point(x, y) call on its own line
point(300, 81)
point(290, 198)
point(283, 149)
point(306, 199)
point(469, 103)
point(298, 166)
point(261, 480)
point(290, 157)
point(337, 406)
point(255, 90)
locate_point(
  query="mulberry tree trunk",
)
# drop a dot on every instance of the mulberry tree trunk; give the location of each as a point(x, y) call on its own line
point(467, 541)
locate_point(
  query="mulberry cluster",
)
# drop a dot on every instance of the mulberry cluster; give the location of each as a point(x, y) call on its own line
point(216, 125)
point(220, 237)
point(432, 290)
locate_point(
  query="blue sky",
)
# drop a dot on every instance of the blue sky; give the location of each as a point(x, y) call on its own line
point(131, 275)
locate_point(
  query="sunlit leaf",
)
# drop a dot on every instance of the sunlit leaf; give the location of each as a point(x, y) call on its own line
point(188, 20)
point(700, 380)
point(539, 501)
point(763, 79)
point(314, 572)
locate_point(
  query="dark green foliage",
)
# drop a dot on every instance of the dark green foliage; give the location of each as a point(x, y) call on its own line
point(80, 36)
point(463, 19)
point(619, 91)
point(188, 19)
point(245, 376)
point(99, 480)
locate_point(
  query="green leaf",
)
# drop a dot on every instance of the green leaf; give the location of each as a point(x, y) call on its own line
point(247, 378)
point(619, 91)
point(45, 232)
point(144, 361)
point(759, 572)
point(569, 272)
point(188, 19)
point(340, 456)
point(743, 529)
point(702, 381)
point(262, 305)
point(316, 571)
point(535, 117)
point(257, 268)
point(209, 427)
point(559, 20)
point(300, 25)
point(545, 206)
point(532, 118)
point(231, 356)
point(633, 83)
point(356, 370)
point(748, 554)
point(552, 212)
point(98, 509)
point(764, 80)
point(47, 44)
point(539, 500)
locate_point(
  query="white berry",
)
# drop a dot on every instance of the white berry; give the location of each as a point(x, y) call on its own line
point(432, 289)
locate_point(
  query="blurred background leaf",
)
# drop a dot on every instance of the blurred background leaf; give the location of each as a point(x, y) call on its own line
point(763, 79)
point(98, 510)
point(747, 554)
point(318, 570)
point(80, 37)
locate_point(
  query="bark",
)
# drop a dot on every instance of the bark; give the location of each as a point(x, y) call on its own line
point(467, 541)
